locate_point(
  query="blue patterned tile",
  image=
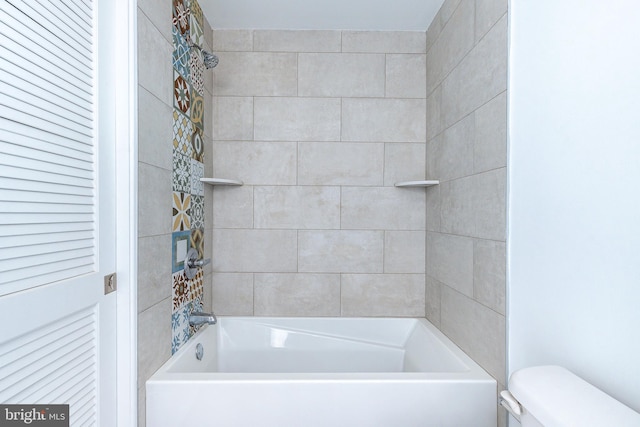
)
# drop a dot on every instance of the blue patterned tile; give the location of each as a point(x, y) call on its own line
point(180, 243)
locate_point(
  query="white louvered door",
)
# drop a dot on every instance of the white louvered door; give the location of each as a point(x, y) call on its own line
point(57, 207)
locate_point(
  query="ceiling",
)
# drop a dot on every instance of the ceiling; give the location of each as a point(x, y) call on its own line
point(383, 15)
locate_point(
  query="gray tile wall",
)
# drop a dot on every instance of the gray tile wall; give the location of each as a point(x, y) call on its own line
point(466, 150)
point(319, 125)
point(155, 109)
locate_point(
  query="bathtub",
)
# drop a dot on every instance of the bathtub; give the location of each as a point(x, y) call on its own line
point(321, 372)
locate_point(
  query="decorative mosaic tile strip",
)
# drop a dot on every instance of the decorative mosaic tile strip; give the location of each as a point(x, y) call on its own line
point(182, 133)
point(182, 93)
point(182, 16)
point(181, 173)
point(196, 67)
point(196, 34)
point(197, 109)
point(181, 54)
point(196, 13)
point(197, 172)
point(182, 212)
point(180, 290)
point(197, 241)
point(197, 145)
point(180, 243)
point(197, 212)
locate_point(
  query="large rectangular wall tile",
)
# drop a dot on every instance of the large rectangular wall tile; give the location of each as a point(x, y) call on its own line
point(481, 76)
point(475, 205)
point(232, 118)
point(489, 274)
point(488, 12)
point(232, 40)
point(432, 300)
point(297, 119)
point(490, 204)
point(383, 208)
point(154, 270)
point(297, 294)
point(154, 338)
point(340, 251)
point(384, 41)
point(233, 207)
point(454, 42)
point(232, 294)
point(383, 295)
point(433, 208)
point(450, 154)
point(247, 251)
point(340, 163)
point(490, 148)
point(256, 74)
point(304, 207)
point(457, 206)
point(405, 76)
point(263, 163)
point(384, 120)
point(157, 12)
point(404, 251)
point(403, 162)
point(341, 74)
point(154, 131)
point(154, 53)
point(154, 201)
point(297, 41)
point(478, 330)
point(450, 261)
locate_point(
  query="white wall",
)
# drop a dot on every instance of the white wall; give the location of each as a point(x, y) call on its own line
point(574, 190)
point(409, 15)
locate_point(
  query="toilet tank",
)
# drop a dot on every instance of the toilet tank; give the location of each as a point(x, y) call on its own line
point(552, 396)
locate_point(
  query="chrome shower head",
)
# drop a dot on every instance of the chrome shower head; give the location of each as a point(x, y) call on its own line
point(210, 60)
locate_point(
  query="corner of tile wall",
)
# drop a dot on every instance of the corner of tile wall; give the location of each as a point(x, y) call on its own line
point(466, 151)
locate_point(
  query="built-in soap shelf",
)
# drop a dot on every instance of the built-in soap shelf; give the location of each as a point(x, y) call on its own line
point(221, 181)
point(415, 184)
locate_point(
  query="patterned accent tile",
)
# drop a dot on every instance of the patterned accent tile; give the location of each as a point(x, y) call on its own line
point(196, 67)
point(182, 212)
point(196, 13)
point(180, 329)
point(180, 291)
point(181, 53)
point(181, 173)
point(197, 241)
point(182, 93)
point(181, 16)
point(182, 133)
point(197, 109)
point(197, 212)
point(180, 243)
point(197, 145)
point(197, 172)
point(196, 33)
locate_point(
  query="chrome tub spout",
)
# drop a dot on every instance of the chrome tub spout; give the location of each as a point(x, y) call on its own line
point(198, 318)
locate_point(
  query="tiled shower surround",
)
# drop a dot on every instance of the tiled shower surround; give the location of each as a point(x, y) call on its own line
point(319, 125)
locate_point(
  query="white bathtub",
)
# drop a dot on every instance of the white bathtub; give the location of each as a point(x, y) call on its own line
point(321, 372)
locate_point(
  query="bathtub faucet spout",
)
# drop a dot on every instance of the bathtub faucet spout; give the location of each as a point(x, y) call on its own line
point(198, 318)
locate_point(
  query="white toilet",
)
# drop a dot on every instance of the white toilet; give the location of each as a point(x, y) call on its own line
point(551, 396)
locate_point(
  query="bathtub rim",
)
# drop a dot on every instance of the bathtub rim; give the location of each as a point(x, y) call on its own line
point(474, 373)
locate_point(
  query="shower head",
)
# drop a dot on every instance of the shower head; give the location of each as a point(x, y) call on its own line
point(210, 60)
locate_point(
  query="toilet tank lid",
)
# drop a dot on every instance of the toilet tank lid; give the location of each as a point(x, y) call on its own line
point(557, 397)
